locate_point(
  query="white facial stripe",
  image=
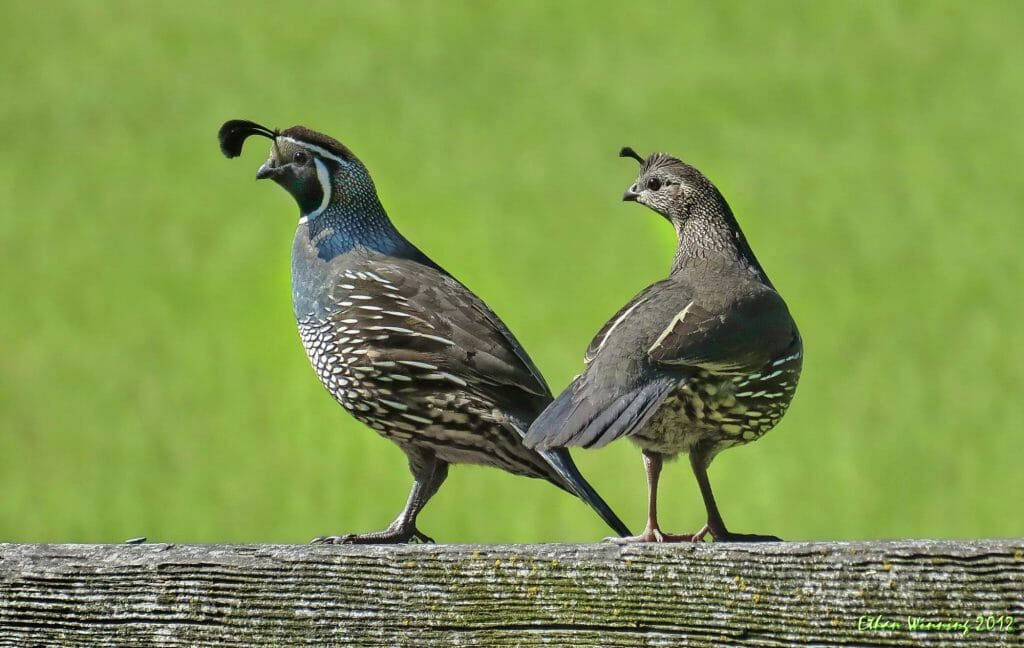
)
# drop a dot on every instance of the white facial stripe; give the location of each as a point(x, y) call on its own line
point(325, 188)
point(319, 150)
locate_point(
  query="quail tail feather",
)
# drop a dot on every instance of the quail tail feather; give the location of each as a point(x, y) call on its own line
point(562, 462)
point(576, 419)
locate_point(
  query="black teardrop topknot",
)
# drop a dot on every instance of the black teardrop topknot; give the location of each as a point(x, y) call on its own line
point(234, 133)
point(626, 151)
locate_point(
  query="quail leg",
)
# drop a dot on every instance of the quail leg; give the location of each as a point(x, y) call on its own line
point(428, 475)
point(699, 461)
point(652, 532)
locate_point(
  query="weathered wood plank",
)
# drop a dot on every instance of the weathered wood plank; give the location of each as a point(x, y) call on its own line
point(777, 594)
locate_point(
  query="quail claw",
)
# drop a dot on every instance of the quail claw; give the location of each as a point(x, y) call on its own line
point(391, 535)
point(655, 534)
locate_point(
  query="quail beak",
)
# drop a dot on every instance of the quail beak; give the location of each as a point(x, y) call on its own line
point(266, 170)
point(631, 194)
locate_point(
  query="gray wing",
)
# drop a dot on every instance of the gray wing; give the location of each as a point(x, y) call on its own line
point(422, 318)
point(618, 318)
point(664, 334)
point(617, 394)
point(739, 336)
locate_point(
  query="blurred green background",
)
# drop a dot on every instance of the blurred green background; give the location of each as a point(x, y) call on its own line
point(152, 381)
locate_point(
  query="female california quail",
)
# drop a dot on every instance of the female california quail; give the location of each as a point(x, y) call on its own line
point(703, 360)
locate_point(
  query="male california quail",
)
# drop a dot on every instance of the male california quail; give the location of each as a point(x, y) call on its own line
point(402, 345)
point(703, 360)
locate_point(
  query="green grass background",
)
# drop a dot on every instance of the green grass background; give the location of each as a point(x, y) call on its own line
point(151, 379)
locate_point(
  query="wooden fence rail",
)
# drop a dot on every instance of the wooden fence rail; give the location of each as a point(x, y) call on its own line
point(903, 593)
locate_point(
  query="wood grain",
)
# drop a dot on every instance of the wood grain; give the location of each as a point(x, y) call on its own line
point(777, 594)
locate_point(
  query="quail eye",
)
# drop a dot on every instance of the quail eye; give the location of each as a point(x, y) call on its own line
point(300, 157)
point(654, 184)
